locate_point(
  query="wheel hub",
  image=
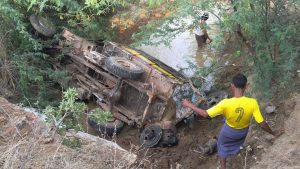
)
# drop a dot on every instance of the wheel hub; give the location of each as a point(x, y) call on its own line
point(151, 135)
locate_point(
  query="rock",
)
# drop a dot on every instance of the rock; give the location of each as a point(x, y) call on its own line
point(250, 141)
point(270, 109)
point(48, 140)
point(209, 147)
point(71, 133)
point(31, 117)
point(46, 134)
point(23, 126)
point(260, 147)
point(269, 138)
point(68, 134)
point(3, 120)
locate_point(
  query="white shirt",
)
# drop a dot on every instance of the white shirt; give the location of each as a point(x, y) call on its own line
point(198, 31)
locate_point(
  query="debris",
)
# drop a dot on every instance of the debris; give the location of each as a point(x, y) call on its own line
point(31, 117)
point(23, 127)
point(248, 148)
point(260, 147)
point(269, 138)
point(48, 140)
point(208, 148)
point(3, 120)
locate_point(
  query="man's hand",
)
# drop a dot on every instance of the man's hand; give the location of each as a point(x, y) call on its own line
point(276, 134)
point(267, 128)
point(210, 40)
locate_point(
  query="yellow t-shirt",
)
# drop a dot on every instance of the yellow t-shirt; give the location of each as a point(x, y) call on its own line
point(237, 111)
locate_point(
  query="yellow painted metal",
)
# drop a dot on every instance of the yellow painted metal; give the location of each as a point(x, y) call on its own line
point(150, 62)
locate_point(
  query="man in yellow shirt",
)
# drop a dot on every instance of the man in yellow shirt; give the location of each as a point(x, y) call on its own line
point(237, 112)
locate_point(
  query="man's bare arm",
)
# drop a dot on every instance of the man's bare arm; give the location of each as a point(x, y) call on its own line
point(264, 125)
point(201, 112)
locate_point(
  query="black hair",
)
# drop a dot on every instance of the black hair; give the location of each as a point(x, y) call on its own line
point(204, 18)
point(239, 81)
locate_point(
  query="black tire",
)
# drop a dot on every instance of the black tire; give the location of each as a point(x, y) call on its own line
point(108, 128)
point(124, 68)
point(42, 26)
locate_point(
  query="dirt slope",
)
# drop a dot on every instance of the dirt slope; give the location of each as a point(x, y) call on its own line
point(23, 145)
point(285, 152)
point(260, 151)
point(27, 142)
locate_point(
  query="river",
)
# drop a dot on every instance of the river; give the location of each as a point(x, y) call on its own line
point(183, 49)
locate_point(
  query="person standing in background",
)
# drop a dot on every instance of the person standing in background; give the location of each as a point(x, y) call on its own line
point(201, 31)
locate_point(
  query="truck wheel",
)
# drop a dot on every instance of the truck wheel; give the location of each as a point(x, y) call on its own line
point(42, 25)
point(110, 127)
point(151, 135)
point(124, 68)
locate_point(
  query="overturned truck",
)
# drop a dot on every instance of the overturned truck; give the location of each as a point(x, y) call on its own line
point(138, 89)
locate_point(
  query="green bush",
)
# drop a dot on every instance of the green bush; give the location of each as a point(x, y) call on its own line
point(34, 75)
point(67, 115)
point(99, 116)
point(72, 143)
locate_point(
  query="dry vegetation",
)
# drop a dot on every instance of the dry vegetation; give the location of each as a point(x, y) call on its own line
point(26, 142)
point(7, 71)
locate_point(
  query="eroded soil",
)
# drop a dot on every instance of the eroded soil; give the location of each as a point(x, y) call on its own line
point(27, 142)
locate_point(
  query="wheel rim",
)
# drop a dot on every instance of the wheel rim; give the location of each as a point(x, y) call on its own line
point(151, 135)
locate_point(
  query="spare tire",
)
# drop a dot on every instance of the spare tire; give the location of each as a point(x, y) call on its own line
point(124, 68)
point(110, 127)
point(42, 25)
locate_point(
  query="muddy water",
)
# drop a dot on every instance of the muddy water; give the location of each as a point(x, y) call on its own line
point(183, 49)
